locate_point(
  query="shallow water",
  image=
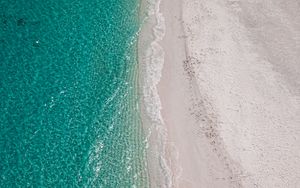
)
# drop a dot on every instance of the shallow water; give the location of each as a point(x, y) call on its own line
point(69, 101)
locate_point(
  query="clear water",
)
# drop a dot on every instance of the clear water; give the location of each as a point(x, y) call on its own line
point(69, 101)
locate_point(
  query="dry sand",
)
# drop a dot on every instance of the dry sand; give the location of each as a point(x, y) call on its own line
point(230, 93)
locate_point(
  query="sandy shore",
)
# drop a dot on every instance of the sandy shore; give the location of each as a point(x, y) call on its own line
point(229, 94)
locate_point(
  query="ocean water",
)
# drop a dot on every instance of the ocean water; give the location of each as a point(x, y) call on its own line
point(69, 94)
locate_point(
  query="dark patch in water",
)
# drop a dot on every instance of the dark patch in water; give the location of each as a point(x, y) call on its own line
point(20, 22)
point(36, 43)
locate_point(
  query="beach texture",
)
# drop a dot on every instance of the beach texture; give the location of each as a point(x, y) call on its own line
point(225, 93)
point(150, 93)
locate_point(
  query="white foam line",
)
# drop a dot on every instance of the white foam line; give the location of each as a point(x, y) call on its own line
point(153, 69)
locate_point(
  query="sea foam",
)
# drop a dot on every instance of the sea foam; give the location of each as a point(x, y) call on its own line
point(153, 62)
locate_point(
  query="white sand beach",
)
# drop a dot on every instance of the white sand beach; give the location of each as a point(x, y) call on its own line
point(221, 92)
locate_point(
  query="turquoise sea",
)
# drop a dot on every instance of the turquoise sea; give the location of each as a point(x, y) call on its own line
point(69, 94)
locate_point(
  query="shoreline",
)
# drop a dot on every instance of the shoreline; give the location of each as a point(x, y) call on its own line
point(151, 61)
